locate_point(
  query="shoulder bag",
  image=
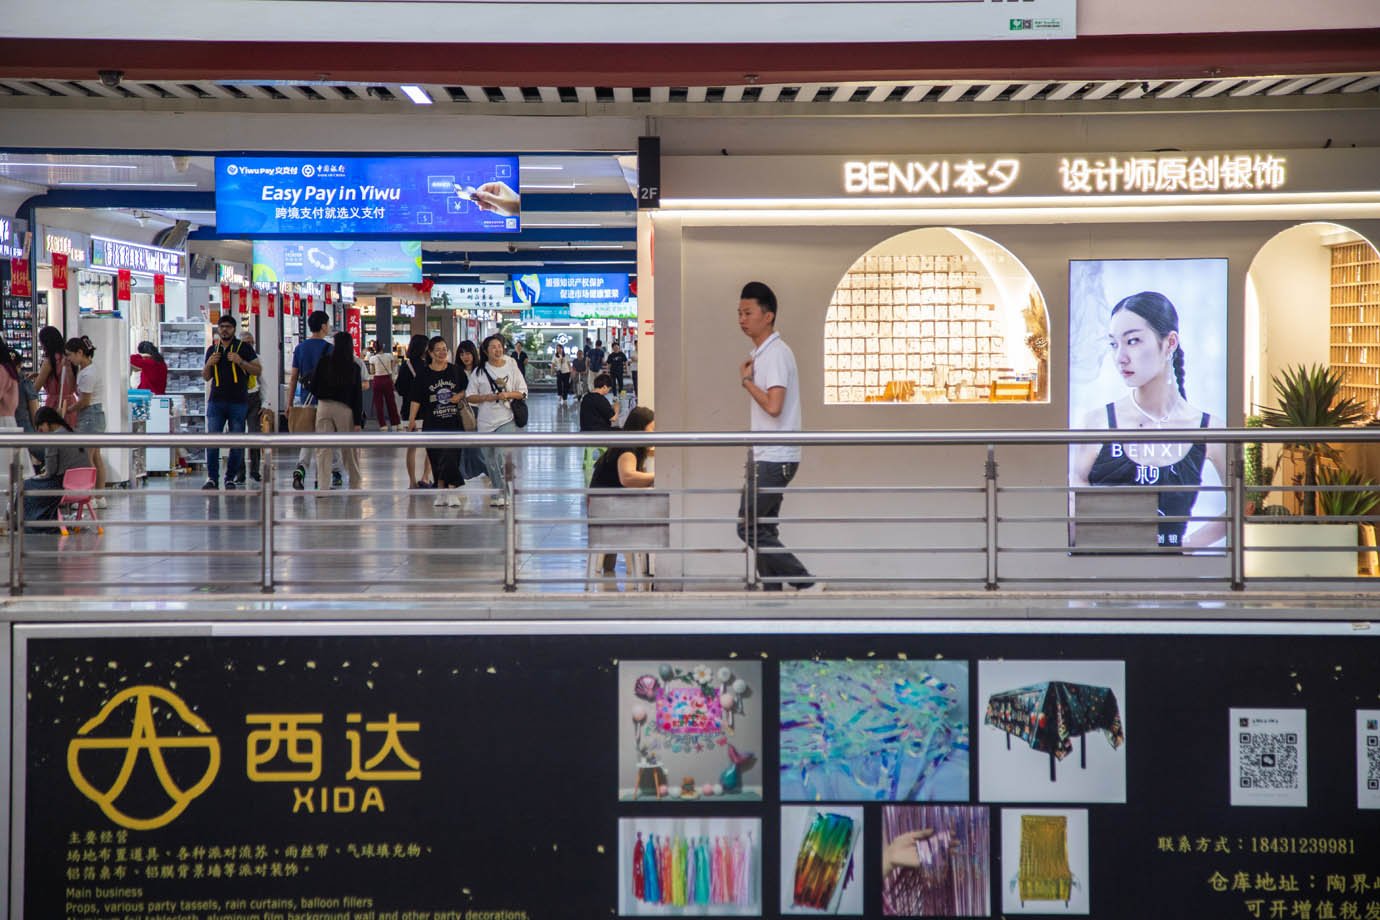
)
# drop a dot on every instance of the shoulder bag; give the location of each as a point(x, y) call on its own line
point(468, 420)
point(518, 406)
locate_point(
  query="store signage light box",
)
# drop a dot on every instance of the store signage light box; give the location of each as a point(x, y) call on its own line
point(150, 260)
point(333, 195)
point(572, 289)
point(355, 261)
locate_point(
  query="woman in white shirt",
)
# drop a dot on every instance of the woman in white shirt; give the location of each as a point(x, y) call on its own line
point(491, 390)
point(86, 402)
point(383, 367)
point(560, 366)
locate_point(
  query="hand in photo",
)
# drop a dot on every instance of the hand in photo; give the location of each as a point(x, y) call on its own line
point(498, 198)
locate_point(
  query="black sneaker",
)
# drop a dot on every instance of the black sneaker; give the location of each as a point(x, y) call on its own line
point(210, 484)
point(299, 478)
point(337, 480)
point(230, 485)
point(254, 475)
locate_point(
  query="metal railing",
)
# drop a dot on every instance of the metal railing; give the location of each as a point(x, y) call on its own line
point(988, 531)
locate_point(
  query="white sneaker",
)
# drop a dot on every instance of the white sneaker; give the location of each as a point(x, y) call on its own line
point(440, 501)
point(454, 499)
point(816, 588)
point(498, 501)
point(99, 502)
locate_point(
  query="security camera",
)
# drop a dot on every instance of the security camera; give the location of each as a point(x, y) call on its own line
point(111, 78)
point(512, 247)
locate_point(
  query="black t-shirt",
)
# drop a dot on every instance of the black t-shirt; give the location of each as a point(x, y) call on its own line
point(618, 362)
point(596, 359)
point(229, 382)
point(433, 390)
point(605, 474)
point(596, 414)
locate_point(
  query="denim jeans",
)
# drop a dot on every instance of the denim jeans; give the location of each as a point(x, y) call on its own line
point(225, 416)
point(493, 456)
point(766, 535)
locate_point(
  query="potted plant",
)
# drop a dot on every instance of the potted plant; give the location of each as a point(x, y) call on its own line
point(1363, 501)
point(1309, 397)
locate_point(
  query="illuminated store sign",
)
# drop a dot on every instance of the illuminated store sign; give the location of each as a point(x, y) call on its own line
point(1225, 173)
point(72, 245)
point(572, 289)
point(939, 177)
point(1077, 175)
point(147, 259)
point(10, 246)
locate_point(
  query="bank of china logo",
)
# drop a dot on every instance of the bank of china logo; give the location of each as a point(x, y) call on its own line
point(144, 750)
point(308, 170)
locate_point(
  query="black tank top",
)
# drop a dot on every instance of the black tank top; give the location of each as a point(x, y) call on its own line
point(1113, 468)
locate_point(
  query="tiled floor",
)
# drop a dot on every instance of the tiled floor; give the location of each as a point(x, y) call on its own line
point(334, 542)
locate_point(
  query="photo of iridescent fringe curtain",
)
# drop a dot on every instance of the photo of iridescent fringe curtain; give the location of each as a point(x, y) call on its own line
point(950, 876)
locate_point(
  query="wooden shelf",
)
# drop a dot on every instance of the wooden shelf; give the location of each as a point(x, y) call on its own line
point(1354, 337)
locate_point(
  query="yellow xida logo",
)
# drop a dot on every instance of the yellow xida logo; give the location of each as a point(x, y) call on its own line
point(143, 743)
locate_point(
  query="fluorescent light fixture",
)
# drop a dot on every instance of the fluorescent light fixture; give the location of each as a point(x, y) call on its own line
point(5, 163)
point(538, 166)
point(531, 225)
point(416, 94)
point(566, 186)
point(96, 183)
point(579, 246)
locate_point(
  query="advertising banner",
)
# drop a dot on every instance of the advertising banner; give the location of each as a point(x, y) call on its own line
point(59, 271)
point(541, 289)
point(1147, 349)
point(160, 287)
point(123, 280)
point(254, 302)
point(244, 300)
point(272, 297)
point(332, 195)
point(277, 261)
point(354, 324)
point(19, 278)
point(1104, 769)
point(225, 295)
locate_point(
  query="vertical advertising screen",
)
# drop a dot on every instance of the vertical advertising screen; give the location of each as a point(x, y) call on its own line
point(1147, 350)
point(333, 195)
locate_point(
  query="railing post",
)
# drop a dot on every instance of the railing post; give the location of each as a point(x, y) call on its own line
point(990, 474)
point(1237, 507)
point(750, 578)
point(15, 498)
point(266, 513)
point(509, 527)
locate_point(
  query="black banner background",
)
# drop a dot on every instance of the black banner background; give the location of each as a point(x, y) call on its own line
point(517, 808)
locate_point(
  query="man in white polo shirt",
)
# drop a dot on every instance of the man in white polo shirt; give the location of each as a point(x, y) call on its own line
point(770, 378)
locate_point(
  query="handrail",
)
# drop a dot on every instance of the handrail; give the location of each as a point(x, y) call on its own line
point(932, 438)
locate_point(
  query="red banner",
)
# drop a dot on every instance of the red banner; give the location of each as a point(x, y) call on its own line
point(160, 289)
point(311, 308)
point(244, 299)
point(296, 304)
point(254, 302)
point(329, 292)
point(271, 298)
point(354, 323)
point(122, 284)
point(19, 278)
point(225, 296)
point(59, 271)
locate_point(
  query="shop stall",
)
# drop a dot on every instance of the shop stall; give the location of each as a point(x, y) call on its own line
point(976, 291)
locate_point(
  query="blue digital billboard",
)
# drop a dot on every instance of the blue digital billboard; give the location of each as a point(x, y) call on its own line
point(537, 289)
point(333, 195)
point(354, 261)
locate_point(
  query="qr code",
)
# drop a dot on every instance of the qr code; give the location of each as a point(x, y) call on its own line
point(1270, 760)
point(1373, 762)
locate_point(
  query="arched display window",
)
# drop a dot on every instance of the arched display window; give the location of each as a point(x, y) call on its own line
point(937, 315)
point(1313, 297)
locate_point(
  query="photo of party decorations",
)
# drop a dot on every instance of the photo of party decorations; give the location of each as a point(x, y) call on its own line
point(703, 867)
point(855, 731)
point(935, 861)
point(821, 849)
point(688, 731)
point(1045, 859)
point(1038, 714)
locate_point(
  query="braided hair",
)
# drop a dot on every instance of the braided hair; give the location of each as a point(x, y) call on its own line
point(1159, 312)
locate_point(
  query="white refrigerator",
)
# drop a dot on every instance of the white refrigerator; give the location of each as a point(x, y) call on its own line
point(110, 335)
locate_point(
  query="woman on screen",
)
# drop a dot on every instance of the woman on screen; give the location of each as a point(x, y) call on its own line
point(1144, 339)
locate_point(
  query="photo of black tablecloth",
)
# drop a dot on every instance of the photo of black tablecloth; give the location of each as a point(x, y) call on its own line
point(1049, 715)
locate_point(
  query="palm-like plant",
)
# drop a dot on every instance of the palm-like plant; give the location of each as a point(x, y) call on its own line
point(1347, 504)
point(1310, 397)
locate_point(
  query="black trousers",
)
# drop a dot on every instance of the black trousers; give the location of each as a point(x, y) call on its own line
point(563, 385)
point(773, 562)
